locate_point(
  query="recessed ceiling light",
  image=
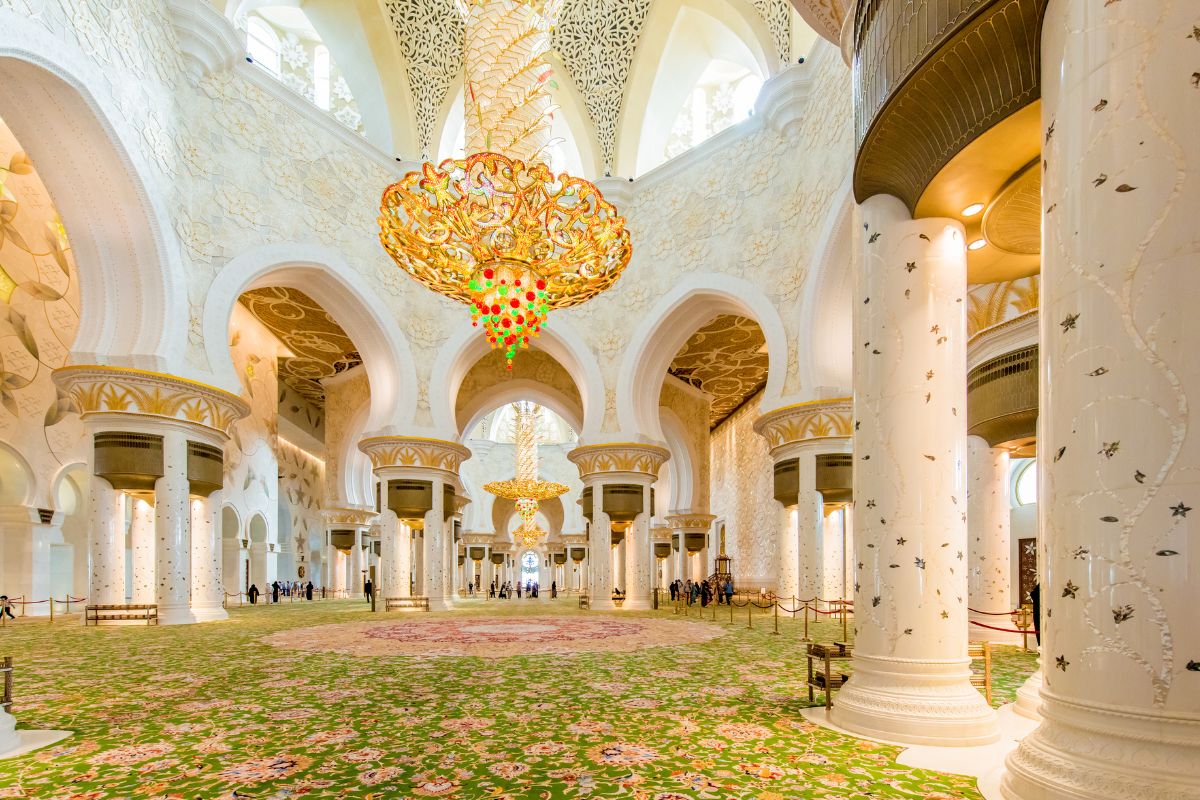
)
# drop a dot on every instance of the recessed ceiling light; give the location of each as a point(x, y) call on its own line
point(977, 244)
point(972, 209)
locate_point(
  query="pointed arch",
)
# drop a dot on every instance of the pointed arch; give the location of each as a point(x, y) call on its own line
point(133, 284)
point(323, 274)
point(670, 323)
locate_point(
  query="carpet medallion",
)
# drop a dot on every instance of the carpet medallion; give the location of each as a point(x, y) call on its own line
point(494, 637)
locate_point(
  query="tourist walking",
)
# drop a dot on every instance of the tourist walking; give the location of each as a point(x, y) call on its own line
point(252, 594)
point(728, 589)
point(274, 591)
point(5, 607)
point(553, 589)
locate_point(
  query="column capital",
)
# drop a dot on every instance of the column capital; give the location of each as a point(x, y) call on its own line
point(125, 394)
point(621, 461)
point(414, 453)
point(815, 422)
point(690, 523)
point(478, 538)
point(348, 517)
point(660, 533)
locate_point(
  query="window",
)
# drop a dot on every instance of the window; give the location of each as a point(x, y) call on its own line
point(529, 567)
point(321, 76)
point(1026, 483)
point(723, 96)
point(262, 44)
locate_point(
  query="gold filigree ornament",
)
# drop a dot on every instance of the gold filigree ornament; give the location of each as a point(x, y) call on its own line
point(511, 240)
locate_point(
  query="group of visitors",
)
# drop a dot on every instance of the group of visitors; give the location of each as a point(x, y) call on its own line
point(531, 589)
point(282, 589)
point(703, 592)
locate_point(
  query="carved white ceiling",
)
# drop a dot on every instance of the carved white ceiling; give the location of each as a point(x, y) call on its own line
point(596, 40)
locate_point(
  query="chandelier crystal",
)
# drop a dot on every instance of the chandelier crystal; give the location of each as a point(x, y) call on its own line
point(497, 230)
point(526, 489)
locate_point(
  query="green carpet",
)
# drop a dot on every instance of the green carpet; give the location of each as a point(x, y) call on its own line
point(208, 711)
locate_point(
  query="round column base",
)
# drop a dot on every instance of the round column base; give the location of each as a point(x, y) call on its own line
point(9, 740)
point(915, 701)
point(602, 605)
point(636, 604)
point(1029, 696)
point(175, 615)
point(1099, 752)
point(440, 604)
point(209, 613)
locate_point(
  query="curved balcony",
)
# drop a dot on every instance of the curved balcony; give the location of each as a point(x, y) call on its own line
point(930, 76)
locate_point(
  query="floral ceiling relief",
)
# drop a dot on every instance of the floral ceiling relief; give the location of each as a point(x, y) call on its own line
point(39, 315)
point(727, 358)
point(321, 349)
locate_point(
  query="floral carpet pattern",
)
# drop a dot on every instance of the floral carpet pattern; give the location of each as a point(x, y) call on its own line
point(494, 637)
point(212, 712)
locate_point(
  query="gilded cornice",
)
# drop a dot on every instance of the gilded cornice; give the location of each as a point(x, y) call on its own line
point(690, 523)
point(414, 452)
point(478, 538)
point(599, 459)
point(805, 422)
point(99, 389)
point(660, 533)
point(348, 517)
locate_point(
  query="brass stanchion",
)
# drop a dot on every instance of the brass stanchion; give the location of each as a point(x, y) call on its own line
point(51, 609)
point(806, 639)
point(795, 607)
point(845, 636)
point(776, 631)
point(749, 613)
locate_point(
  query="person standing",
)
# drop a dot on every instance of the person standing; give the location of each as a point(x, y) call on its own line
point(728, 590)
point(553, 589)
point(274, 591)
point(369, 590)
point(6, 606)
point(308, 591)
point(252, 593)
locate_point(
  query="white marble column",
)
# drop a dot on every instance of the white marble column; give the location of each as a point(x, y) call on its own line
point(911, 672)
point(788, 582)
point(173, 526)
point(850, 568)
point(106, 538)
point(355, 575)
point(988, 541)
point(389, 557)
point(328, 563)
point(833, 557)
point(433, 552)
point(639, 559)
point(142, 541)
point(207, 589)
point(680, 556)
point(808, 525)
point(1119, 467)
point(600, 585)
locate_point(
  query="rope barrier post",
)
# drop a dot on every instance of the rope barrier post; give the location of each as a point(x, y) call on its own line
point(806, 639)
point(845, 636)
point(51, 609)
point(22, 605)
point(795, 607)
point(749, 613)
point(776, 631)
point(68, 602)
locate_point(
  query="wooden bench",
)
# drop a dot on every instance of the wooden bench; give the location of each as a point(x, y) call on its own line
point(6, 669)
point(584, 602)
point(97, 614)
point(401, 603)
point(981, 679)
point(825, 665)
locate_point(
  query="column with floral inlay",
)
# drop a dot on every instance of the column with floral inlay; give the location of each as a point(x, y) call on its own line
point(1119, 466)
point(911, 673)
point(989, 511)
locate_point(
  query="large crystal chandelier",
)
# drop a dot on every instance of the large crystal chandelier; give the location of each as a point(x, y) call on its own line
point(525, 488)
point(497, 230)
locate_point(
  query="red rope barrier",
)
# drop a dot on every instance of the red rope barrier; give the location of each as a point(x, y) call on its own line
point(993, 613)
point(1004, 630)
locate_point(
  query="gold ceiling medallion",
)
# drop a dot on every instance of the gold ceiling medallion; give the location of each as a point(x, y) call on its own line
point(497, 230)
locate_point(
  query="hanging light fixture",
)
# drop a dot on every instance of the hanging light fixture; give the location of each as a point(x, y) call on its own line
point(525, 488)
point(497, 230)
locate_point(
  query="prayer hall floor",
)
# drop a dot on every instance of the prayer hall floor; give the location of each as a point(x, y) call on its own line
point(213, 711)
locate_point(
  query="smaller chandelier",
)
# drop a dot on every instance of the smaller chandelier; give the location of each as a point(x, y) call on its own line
point(529, 535)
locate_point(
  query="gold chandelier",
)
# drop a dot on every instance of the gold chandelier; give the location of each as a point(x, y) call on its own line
point(525, 488)
point(497, 230)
